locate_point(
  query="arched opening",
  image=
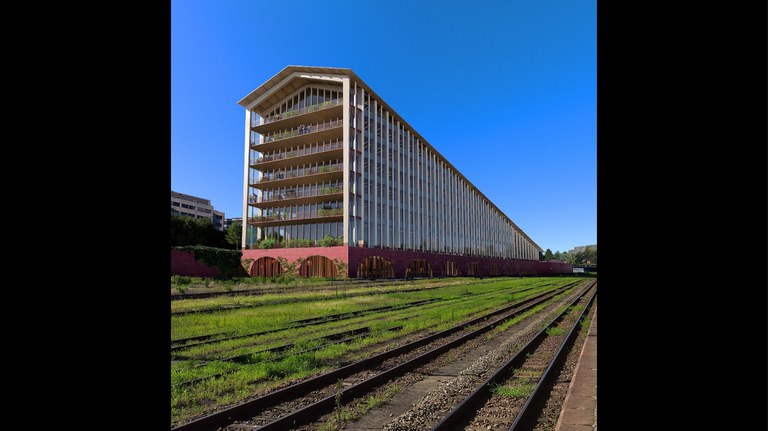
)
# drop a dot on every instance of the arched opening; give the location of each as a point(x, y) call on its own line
point(451, 269)
point(418, 268)
point(318, 266)
point(375, 267)
point(266, 267)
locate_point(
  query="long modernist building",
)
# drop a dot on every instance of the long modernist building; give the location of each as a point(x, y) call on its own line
point(333, 173)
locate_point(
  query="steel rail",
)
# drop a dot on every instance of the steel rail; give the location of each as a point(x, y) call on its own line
point(350, 283)
point(308, 322)
point(470, 404)
point(226, 416)
point(184, 343)
point(527, 412)
point(266, 291)
point(282, 351)
point(287, 301)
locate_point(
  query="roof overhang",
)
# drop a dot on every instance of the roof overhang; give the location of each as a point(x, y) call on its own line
point(289, 80)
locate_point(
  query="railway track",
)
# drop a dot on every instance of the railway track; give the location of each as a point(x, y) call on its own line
point(305, 401)
point(252, 292)
point(318, 298)
point(512, 397)
point(348, 335)
point(346, 283)
point(185, 343)
point(254, 356)
point(280, 352)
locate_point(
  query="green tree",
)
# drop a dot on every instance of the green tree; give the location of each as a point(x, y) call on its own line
point(548, 255)
point(587, 256)
point(234, 234)
point(582, 255)
point(558, 255)
point(190, 231)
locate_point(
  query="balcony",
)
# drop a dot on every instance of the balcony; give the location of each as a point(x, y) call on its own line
point(319, 216)
point(319, 174)
point(325, 194)
point(309, 114)
point(316, 154)
point(301, 135)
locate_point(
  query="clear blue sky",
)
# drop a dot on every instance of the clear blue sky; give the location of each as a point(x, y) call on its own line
point(505, 90)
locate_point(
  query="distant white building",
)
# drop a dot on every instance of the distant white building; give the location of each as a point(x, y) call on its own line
point(195, 207)
point(228, 222)
point(578, 270)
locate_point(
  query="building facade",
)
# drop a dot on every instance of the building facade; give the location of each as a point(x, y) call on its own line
point(229, 221)
point(196, 207)
point(325, 156)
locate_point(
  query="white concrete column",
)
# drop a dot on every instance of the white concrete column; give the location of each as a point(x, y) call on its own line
point(386, 239)
point(347, 164)
point(245, 174)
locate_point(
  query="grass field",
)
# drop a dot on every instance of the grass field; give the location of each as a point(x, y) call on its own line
point(452, 301)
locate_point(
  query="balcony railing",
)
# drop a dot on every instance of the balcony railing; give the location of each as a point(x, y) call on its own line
point(302, 130)
point(302, 152)
point(303, 172)
point(301, 194)
point(321, 213)
point(305, 110)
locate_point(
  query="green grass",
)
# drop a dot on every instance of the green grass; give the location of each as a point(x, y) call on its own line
point(318, 294)
point(267, 371)
point(448, 315)
point(178, 279)
point(517, 319)
point(555, 331)
point(517, 391)
point(348, 413)
point(247, 320)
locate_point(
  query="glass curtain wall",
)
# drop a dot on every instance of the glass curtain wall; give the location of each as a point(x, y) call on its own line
point(406, 198)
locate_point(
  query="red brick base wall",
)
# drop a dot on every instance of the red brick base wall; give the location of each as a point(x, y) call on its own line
point(400, 260)
point(291, 254)
point(183, 263)
point(555, 268)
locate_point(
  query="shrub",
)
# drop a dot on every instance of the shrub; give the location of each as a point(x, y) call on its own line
point(329, 241)
point(267, 243)
point(298, 243)
point(342, 269)
point(246, 263)
point(180, 279)
point(226, 260)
